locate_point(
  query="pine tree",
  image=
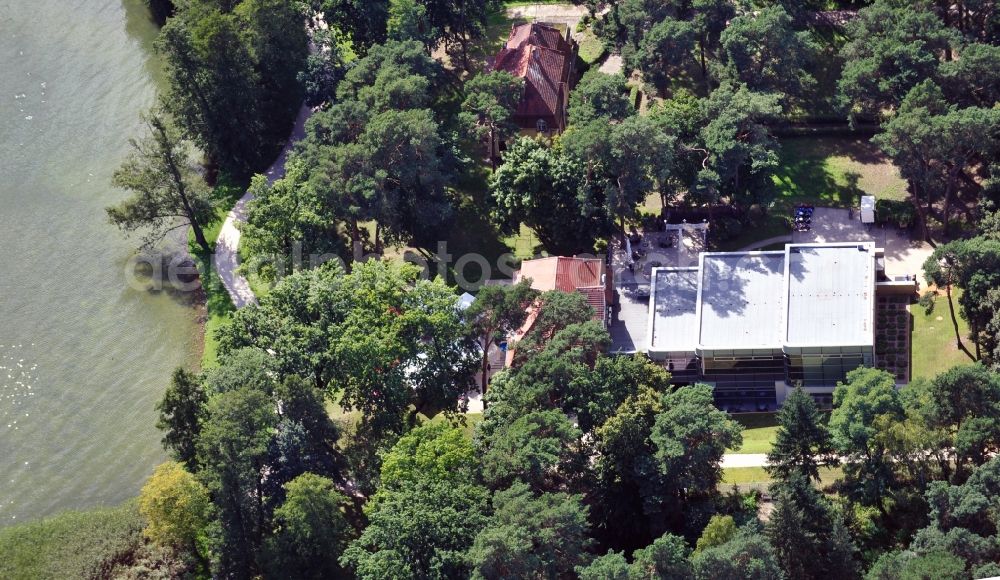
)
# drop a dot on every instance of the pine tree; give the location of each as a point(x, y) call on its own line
point(802, 444)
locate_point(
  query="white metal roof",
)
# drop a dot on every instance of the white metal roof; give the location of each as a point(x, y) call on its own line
point(673, 310)
point(741, 300)
point(831, 294)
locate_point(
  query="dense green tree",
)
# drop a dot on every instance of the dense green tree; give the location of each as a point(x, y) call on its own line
point(392, 340)
point(974, 266)
point(489, 105)
point(461, 22)
point(250, 368)
point(690, 437)
point(232, 73)
point(233, 451)
point(972, 79)
point(963, 518)
point(530, 449)
point(658, 461)
point(682, 116)
point(937, 565)
point(710, 20)
point(664, 52)
point(599, 96)
point(182, 411)
point(363, 21)
point(936, 144)
point(746, 556)
point(310, 530)
point(434, 450)
point(965, 400)
point(891, 48)
point(380, 154)
point(168, 193)
point(324, 68)
point(720, 530)
point(739, 155)
point(621, 164)
point(420, 528)
point(763, 52)
point(611, 566)
point(393, 76)
point(288, 226)
point(408, 20)
point(864, 406)
point(306, 439)
point(497, 312)
point(666, 557)
point(176, 508)
point(802, 444)
point(808, 536)
point(537, 186)
point(531, 536)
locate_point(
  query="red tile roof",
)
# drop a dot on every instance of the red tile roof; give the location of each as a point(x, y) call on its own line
point(585, 275)
point(542, 57)
point(539, 35)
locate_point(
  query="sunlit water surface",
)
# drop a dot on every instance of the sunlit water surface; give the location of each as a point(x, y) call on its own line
point(84, 355)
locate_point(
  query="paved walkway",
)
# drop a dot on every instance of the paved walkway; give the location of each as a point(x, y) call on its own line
point(226, 259)
point(735, 460)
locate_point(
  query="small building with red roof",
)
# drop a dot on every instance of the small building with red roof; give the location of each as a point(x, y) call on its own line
point(545, 57)
point(588, 276)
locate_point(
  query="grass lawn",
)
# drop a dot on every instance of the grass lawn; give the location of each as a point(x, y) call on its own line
point(769, 226)
point(591, 48)
point(758, 475)
point(72, 544)
point(933, 339)
point(467, 423)
point(834, 172)
point(759, 430)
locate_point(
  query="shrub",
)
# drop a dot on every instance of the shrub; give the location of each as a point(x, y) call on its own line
point(927, 301)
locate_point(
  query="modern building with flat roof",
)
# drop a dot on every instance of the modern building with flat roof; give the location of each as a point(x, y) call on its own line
point(766, 321)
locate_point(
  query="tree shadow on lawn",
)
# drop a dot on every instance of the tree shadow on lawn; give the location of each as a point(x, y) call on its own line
point(803, 175)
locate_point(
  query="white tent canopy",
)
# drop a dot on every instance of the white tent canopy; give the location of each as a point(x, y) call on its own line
point(867, 209)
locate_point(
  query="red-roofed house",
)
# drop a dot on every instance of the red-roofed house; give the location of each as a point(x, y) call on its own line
point(546, 59)
point(588, 276)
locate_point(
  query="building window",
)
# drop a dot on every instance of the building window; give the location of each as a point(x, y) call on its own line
point(542, 126)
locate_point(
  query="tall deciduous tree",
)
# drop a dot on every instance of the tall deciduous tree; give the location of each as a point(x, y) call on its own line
point(232, 71)
point(622, 164)
point(865, 405)
point(488, 108)
point(739, 152)
point(182, 411)
point(664, 51)
point(599, 96)
point(764, 52)
point(497, 312)
point(892, 48)
point(748, 555)
point(425, 514)
point(176, 507)
point(528, 535)
point(310, 530)
point(232, 451)
point(289, 226)
point(802, 443)
point(168, 192)
point(538, 186)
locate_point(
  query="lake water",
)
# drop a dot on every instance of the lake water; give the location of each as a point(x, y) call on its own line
point(84, 355)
